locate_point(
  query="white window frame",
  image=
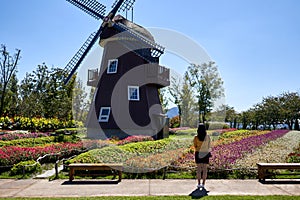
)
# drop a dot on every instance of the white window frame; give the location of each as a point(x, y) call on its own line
point(129, 93)
point(109, 66)
point(104, 118)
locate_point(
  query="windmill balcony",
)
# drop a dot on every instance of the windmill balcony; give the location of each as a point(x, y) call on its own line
point(157, 74)
point(154, 74)
point(93, 76)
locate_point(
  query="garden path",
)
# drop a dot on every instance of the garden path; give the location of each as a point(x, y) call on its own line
point(49, 173)
point(142, 187)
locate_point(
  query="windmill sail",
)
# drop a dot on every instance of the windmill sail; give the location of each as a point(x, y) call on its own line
point(80, 55)
point(92, 7)
point(126, 5)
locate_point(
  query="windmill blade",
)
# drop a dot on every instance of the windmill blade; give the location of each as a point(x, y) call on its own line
point(92, 7)
point(141, 41)
point(115, 9)
point(126, 5)
point(75, 62)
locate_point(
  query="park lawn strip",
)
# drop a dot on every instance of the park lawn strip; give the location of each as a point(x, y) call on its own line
point(223, 197)
point(275, 151)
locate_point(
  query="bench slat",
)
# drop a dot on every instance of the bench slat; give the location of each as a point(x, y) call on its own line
point(95, 166)
point(279, 164)
point(263, 167)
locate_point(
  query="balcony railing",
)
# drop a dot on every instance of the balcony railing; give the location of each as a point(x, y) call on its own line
point(157, 74)
point(153, 73)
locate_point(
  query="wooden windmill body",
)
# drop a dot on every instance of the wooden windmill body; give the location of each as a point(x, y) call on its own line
point(126, 100)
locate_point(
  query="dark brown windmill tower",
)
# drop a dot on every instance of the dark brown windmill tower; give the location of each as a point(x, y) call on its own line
point(126, 101)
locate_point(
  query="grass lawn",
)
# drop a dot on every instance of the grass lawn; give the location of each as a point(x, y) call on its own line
point(174, 198)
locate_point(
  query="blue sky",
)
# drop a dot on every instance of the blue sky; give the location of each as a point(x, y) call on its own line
point(255, 43)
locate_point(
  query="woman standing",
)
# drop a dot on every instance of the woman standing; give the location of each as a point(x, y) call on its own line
point(202, 154)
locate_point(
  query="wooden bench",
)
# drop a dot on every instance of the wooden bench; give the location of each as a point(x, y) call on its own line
point(115, 167)
point(264, 167)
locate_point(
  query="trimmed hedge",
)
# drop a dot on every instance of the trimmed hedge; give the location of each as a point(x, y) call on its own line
point(29, 167)
point(36, 124)
point(32, 142)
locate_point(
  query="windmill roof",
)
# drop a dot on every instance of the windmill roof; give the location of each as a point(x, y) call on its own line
point(143, 31)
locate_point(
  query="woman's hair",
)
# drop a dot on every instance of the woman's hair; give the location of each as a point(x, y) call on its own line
point(201, 132)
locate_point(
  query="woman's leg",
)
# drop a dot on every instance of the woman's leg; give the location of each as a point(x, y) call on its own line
point(204, 171)
point(199, 171)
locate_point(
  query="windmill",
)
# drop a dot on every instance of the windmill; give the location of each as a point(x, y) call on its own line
point(126, 101)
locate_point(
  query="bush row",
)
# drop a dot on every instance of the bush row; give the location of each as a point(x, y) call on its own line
point(31, 142)
point(22, 135)
point(29, 167)
point(36, 124)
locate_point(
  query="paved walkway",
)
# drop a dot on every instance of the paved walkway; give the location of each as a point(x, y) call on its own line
point(88, 188)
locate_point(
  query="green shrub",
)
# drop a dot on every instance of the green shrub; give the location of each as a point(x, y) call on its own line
point(174, 122)
point(191, 131)
point(244, 173)
point(27, 167)
point(36, 124)
point(66, 138)
point(28, 142)
point(6, 123)
point(217, 125)
point(70, 131)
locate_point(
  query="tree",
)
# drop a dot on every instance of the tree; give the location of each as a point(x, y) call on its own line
point(43, 94)
point(8, 67)
point(80, 102)
point(208, 85)
point(290, 102)
point(175, 92)
point(188, 106)
point(227, 113)
point(12, 98)
point(58, 97)
point(163, 99)
point(274, 110)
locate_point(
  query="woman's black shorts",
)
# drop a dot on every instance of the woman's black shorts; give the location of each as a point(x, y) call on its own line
point(204, 160)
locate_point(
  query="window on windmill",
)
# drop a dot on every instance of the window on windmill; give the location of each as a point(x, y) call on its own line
point(133, 93)
point(112, 66)
point(104, 114)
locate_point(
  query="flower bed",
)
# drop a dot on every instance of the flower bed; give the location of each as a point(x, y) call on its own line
point(275, 151)
point(22, 135)
point(16, 150)
point(141, 164)
point(139, 156)
point(135, 138)
point(13, 154)
point(234, 136)
point(225, 155)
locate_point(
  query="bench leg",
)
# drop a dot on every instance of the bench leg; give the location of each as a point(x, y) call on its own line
point(120, 175)
point(261, 174)
point(71, 174)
